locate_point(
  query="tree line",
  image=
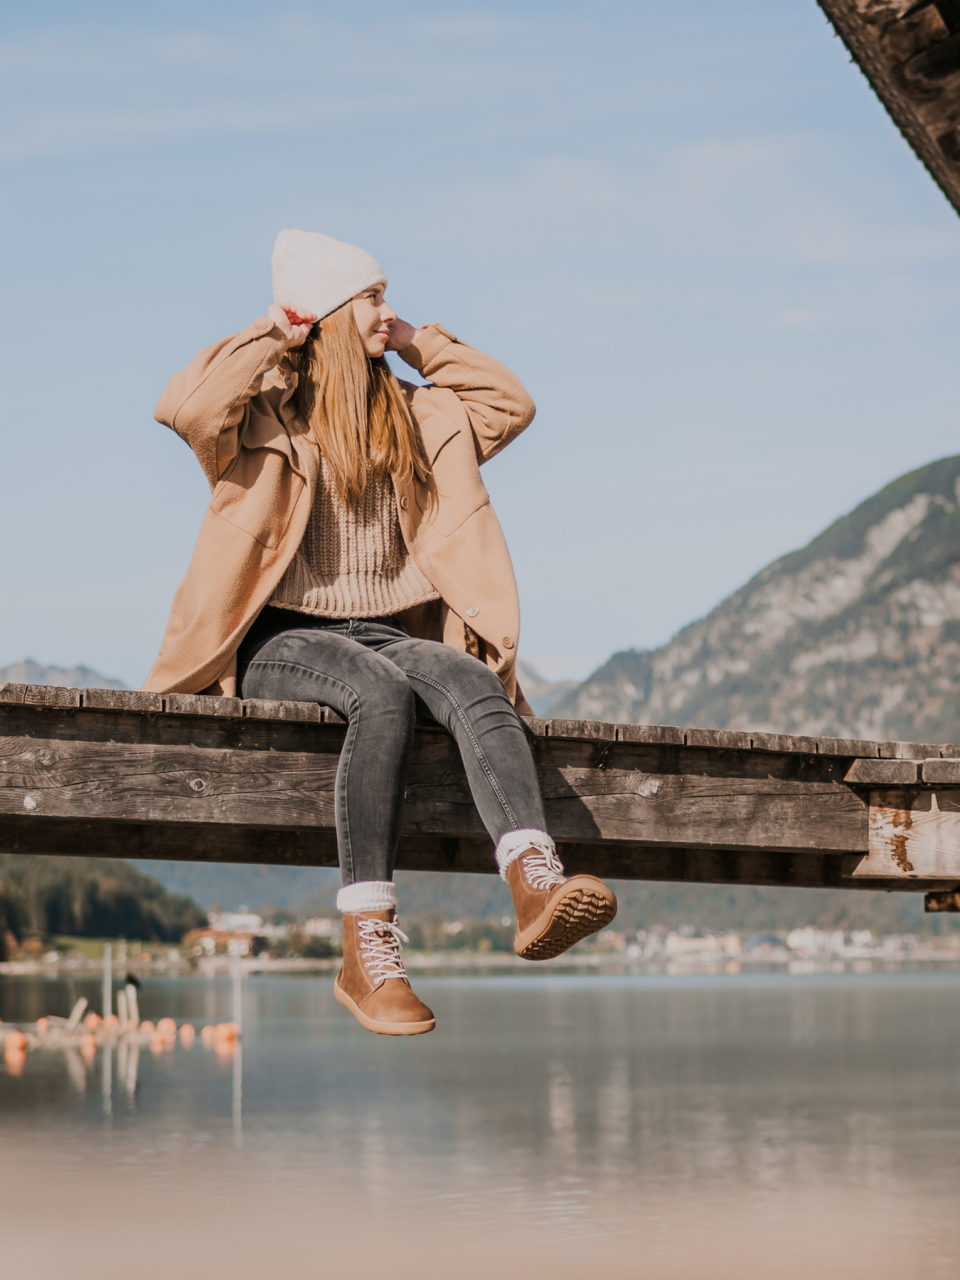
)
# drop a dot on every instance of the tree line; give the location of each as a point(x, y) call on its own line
point(46, 894)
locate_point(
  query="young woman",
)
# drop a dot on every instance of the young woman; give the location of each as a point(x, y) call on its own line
point(350, 557)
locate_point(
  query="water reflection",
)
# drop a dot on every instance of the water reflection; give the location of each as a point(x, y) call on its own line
point(644, 1120)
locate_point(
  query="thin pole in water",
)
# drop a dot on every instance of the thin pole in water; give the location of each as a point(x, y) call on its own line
point(237, 993)
point(107, 979)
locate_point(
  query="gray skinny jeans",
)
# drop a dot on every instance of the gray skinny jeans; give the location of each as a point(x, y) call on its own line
point(375, 675)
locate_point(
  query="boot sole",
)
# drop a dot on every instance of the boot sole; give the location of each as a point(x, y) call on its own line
point(382, 1028)
point(586, 907)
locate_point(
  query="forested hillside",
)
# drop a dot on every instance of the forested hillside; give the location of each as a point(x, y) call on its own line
point(89, 897)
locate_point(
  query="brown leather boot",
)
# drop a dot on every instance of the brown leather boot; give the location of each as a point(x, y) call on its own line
point(373, 983)
point(552, 912)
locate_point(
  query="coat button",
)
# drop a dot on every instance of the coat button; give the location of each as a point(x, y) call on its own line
point(507, 642)
point(404, 502)
point(472, 611)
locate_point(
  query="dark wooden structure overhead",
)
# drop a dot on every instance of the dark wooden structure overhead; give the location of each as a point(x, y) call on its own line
point(910, 53)
point(97, 771)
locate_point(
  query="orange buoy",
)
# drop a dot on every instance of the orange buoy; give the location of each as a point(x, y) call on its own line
point(207, 1036)
point(111, 1021)
point(167, 1027)
point(92, 1021)
point(147, 1028)
point(15, 1060)
point(42, 1024)
point(187, 1035)
point(15, 1040)
point(88, 1046)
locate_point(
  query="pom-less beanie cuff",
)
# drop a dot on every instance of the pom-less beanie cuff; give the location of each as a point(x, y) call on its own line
point(317, 273)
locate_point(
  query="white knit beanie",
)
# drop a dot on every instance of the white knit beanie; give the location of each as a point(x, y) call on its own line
point(317, 273)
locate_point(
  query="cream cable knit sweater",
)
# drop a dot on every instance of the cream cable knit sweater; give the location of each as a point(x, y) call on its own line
point(353, 561)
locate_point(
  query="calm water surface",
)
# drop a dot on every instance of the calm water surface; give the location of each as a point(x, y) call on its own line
point(657, 1127)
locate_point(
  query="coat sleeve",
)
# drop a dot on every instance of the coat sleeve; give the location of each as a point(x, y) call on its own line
point(496, 402)
point(205, 404)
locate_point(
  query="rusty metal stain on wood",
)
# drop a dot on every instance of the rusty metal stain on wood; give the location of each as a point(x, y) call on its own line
point(912, 834)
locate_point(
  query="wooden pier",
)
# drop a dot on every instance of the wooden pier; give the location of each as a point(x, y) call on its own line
point(128, 774)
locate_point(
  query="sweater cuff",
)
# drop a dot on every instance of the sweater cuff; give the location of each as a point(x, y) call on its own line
point(428, 342)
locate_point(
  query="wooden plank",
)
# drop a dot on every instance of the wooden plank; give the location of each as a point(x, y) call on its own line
point(911, 60)
point(183, 782)
point(51, 695)
point(945, 772)
point(581, 729)
point(882, 773)
point(784, 743)
point(291, 846)
point(195, 704)
point(660, 734)
point(718, 739)
point(913, 835)
point(267, 709)
point(847, 747)
point(121, 700)
point(908, 750)
point(12, 693)
point(536, 727)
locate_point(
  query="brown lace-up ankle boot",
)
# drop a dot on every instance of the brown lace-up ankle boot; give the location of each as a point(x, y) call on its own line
point(373, 983)
point(552, 912)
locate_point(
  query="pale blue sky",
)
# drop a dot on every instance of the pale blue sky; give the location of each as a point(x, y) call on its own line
point(689, 228)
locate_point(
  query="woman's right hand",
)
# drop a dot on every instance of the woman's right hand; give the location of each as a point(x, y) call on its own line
point(293, 322)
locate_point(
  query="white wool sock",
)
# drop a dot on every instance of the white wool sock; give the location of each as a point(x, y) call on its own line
point(367, 895)
point(516, 842)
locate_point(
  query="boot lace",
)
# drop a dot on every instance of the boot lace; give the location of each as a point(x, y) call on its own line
point(379, 942)
point(542, 870)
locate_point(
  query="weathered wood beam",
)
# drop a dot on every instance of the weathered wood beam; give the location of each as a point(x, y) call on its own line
point(218, 779)
point(910, 54)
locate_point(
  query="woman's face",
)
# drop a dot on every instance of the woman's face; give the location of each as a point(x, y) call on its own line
point(373, 317)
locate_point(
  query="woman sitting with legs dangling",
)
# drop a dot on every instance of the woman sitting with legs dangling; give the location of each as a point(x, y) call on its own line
point(350, 557)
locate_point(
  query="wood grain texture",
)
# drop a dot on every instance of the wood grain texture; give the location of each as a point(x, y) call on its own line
point(882, 773)
point(945, 772)
point(913, 835)
point(912, 62)
point(200, 777)
point(121, 700)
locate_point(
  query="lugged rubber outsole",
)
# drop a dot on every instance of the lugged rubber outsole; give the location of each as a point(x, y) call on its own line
point(382, 1028)
point(581, 910)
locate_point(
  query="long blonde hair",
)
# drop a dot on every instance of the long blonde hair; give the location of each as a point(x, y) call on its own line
point(354, 407)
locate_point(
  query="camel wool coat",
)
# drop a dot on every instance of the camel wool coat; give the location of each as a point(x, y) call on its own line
point(233, 407)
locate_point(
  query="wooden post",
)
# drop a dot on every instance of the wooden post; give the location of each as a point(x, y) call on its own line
point(237, 992)
point(107, 979)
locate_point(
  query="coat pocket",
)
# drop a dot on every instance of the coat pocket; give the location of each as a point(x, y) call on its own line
point(258, 495)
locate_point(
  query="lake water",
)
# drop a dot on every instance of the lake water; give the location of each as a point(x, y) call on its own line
point(751, 1126)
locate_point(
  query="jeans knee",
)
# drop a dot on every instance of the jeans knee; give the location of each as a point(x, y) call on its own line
point(389, 693)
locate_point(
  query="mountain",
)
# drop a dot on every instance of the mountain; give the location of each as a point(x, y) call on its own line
point(30, 672)
point(543, 695)
point(856, 635)
point(232, 885)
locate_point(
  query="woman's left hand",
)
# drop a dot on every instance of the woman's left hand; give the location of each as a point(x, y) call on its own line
point(401, 335)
